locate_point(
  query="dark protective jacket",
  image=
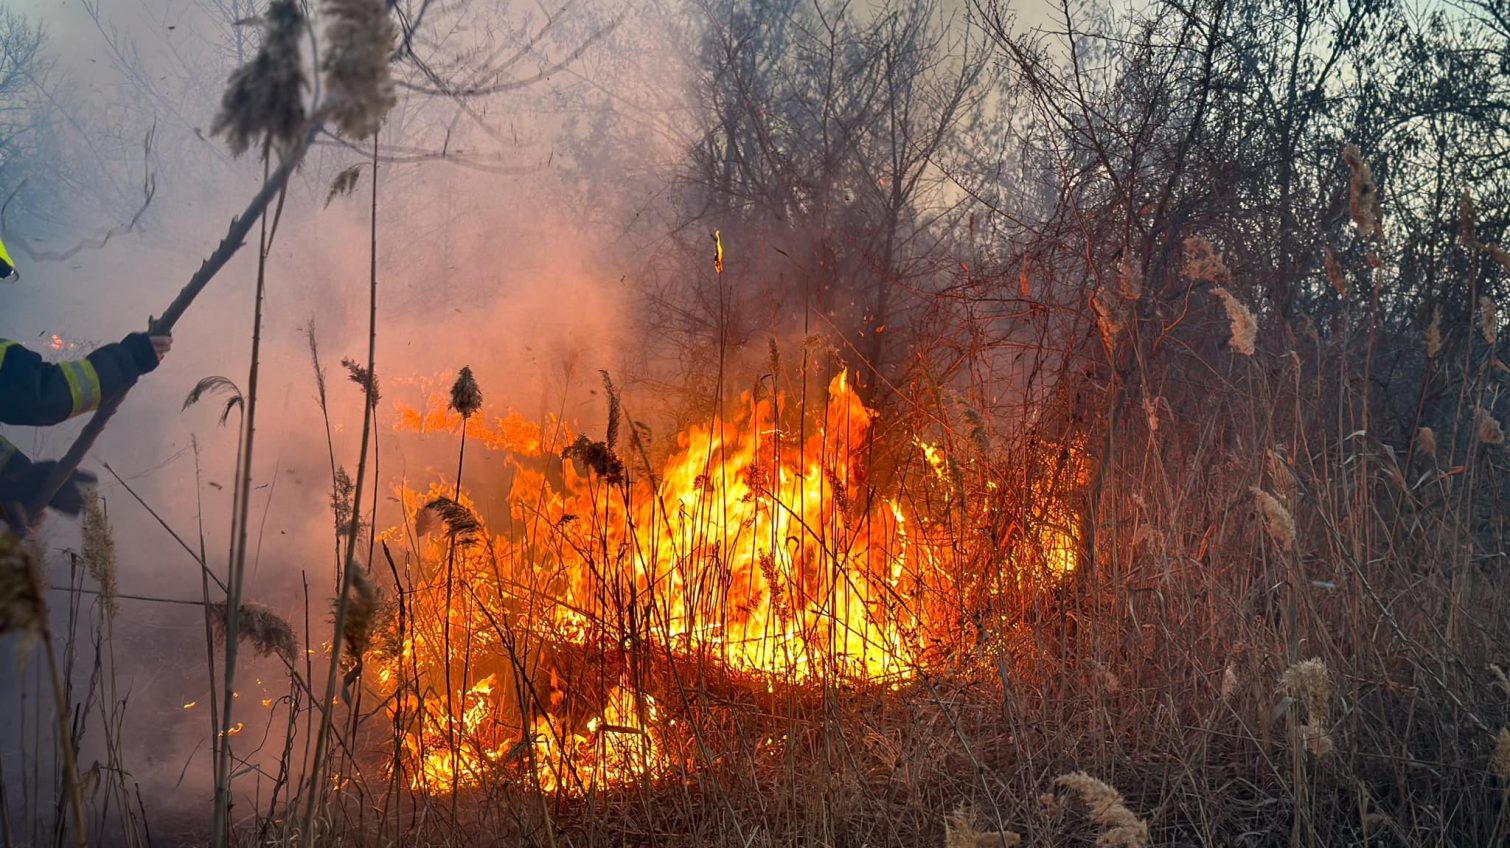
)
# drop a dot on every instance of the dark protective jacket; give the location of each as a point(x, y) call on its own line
point(37, 393)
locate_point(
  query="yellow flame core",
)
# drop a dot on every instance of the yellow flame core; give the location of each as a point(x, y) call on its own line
point(758, 547)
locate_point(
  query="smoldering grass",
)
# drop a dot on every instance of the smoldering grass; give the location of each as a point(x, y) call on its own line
point(99, 552)
point(1120, 828)
point(1244, 325)
point(267, 631)
point(359, 37)
point(264, 98)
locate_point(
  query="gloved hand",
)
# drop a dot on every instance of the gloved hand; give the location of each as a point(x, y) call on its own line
point(146, 351)
point(23, 487)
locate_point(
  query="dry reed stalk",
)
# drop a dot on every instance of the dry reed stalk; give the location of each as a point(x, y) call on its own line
point(962, 829)
point(359, 37)
point(265, 97)
point(1277, 520)
point(1244, 324)
point(99, 552)
point(1363, 198)
point(1119, 827)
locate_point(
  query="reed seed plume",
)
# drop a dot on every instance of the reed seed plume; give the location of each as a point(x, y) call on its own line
point(362, 377)
point(1130, 278)
point(1310, 683)
point(962, 829)
point(1204, 263)
point(466, 397)
point(459, 520)
point(1277, 520)
point(213, 386)
point(1434, 334)
point(1119, 827)
point(23, 607)
point(361, 609)
point(359, 36)
point(1468, 235)
point(1244, 325)
point(265, 97)
point(266, 630)
point(1229, 680)
point(1111, 319)
point(1285, 484)
point(1500, 679)
point(1488, 427)
point(1426, 441)
point(99, 552)
point(342, 490)
point(1500, 762)
point(1334, 273)
point(611, 438)
point(1489, 319)
point(1363, 200)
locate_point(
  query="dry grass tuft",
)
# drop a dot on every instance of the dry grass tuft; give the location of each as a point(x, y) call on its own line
point(1277, 520)
point(1244, 324)
point(265, 629)
point(265, 97)
point(1119, 827)
point(23, 608)
point(962, 829)
point(359, 37)
point(1488, 427)
point(466, 397)
point(99, 552)
point(1202, 262)
point(1363, 201)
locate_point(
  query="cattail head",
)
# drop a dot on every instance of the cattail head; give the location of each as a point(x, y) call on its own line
point(1203, 263)
point(466, 397)
point(265, 97)
point(1277, 520)
point(23, 607)
point(1363, 200)
point(1119, 827)
point(1488, 427)
point(1500, 762)
point(99, 551)
point(359, 38)
point(1111, 319)
point(265, 629)
point(1244, 325)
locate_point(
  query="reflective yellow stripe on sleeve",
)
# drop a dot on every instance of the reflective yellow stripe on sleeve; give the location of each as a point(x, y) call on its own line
point(5, 345)
point(83, 385)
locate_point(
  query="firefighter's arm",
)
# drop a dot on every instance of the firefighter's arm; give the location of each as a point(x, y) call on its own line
point(37, 393)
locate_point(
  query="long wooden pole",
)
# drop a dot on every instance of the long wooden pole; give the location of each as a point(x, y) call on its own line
point(234, 238)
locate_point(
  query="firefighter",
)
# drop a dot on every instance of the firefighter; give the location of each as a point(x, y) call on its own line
point(38, 394)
